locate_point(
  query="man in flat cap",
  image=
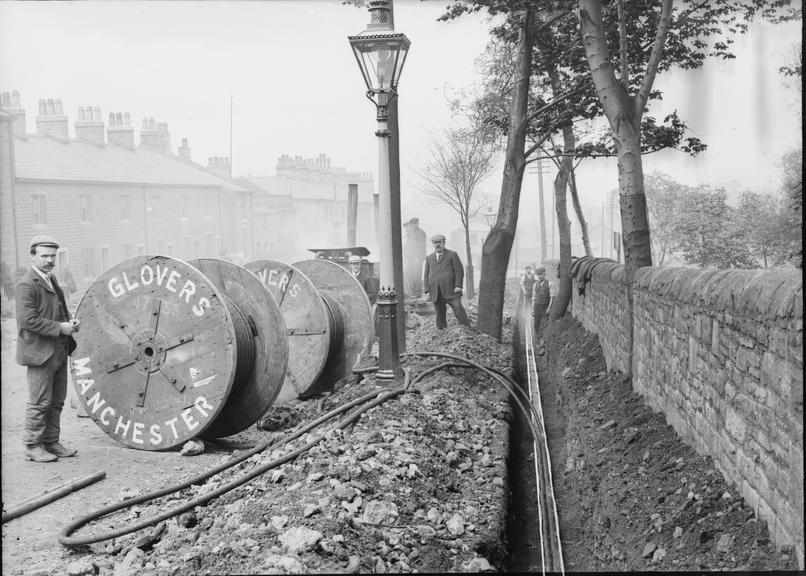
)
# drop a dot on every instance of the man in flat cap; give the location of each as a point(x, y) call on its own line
point(541, 299)
point(413, 257)
point(444, 278)
point(44, 341)
point(367, 281)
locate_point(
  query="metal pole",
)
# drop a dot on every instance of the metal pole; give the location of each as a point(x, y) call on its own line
point(542, 207)
point(388, 355)
point(352, 212)
point(603, 231)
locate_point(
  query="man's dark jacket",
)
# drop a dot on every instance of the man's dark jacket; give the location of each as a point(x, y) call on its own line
point(40, 309)
point(443, 276)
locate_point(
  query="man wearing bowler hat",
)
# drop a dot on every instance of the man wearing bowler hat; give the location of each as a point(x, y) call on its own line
point(444, 276)
point(44, 341)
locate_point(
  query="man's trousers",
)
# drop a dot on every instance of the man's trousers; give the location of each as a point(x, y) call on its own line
point(47, 390)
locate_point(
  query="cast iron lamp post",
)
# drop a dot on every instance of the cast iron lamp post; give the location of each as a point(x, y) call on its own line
point(381, 53)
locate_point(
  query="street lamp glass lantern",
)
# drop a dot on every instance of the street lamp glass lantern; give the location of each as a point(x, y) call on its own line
point(491, 217)
point(381, 58)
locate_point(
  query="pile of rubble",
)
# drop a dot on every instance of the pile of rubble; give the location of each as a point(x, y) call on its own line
point(418, 483)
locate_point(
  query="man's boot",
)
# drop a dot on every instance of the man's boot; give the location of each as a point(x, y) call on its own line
point(38, 454)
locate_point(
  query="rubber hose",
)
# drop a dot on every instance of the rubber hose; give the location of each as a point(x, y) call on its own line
point(64, 535)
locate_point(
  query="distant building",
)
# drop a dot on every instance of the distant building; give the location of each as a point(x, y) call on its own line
point(313, 196)
point(106, 199)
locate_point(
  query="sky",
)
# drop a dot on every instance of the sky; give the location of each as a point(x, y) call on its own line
point(295, 88)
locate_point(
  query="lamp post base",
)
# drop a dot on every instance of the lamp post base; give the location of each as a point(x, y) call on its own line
point(388, 352)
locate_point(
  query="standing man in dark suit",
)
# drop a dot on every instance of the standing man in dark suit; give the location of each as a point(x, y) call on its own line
point(43, 344)
point(444, 277)
point(541, 299)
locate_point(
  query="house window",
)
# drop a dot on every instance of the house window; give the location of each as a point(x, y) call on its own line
point(127, 250)
point(125, 208)
point(159, 248)
point(40, 213)
point(105, 258)
point(169, 249)
point(210, 241)
point(141, 249)
point(186, 247)
point(244, 206)
point(88, 259)
point(86, 208)
point(154, 208)
point(183, 207)
point(208, 206)
point(196, 248)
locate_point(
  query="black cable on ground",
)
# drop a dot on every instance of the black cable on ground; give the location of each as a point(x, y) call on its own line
point(64, 535)
point(531, 414)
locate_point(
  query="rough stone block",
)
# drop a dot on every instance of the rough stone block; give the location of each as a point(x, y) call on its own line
point(735, 423)
point(750, 495)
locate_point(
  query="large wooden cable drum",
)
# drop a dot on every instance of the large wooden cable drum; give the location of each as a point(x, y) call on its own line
point(163, 346)
point(342, 292)
point(257, 383)
point(320, 334)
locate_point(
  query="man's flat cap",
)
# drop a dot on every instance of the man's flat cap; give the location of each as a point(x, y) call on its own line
point(414, 220)
point(437, 237)
point(541, 269)
point(43, 240)
point(354, 258)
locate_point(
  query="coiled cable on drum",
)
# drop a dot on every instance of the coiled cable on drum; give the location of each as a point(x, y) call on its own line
point(244, 343)
point(336, 323)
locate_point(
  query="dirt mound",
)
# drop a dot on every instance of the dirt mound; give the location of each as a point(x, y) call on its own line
point(631, 495)
point(417, 483)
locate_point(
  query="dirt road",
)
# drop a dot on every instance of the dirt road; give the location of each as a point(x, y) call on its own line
point(30, 543)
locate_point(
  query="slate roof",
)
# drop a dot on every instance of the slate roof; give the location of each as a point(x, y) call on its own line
point(46, 158)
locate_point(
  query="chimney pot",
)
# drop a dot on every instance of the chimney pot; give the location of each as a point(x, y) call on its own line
point(81, 113)
point(126, 119)
point(15, 99)
point(58, 104)
point(6, 102)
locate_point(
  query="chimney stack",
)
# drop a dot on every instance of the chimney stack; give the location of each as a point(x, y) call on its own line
point(90, 126)
point(120, 130)
point(10, 103)
point(220, 165)
point(52, 120)
point(184, 150)
point(149, 136)
point(155, 135)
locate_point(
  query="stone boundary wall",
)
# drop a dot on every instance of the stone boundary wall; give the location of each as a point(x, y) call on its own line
point(720, 353)
point(600, 303)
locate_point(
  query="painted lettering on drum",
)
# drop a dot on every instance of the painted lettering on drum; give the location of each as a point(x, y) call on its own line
point(127, 429)
point(274, 277)
point(161, 276)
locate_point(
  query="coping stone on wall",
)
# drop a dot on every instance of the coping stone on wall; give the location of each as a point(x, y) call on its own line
point(609, 270)
point(763, 293)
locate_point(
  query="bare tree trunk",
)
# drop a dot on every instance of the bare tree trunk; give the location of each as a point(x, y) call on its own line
point(498, 245)
point(563, 297)
point(624, 113)
point(469, 279)
point(583, 224)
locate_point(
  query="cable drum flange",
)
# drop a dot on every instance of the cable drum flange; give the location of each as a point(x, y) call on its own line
point(262, 345)
point(345, 294)
point(155, 359)
point(317, 322)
